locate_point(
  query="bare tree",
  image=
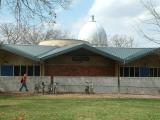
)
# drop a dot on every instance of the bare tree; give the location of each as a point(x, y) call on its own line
point(28, 35)
point(151, 28)
point(9, 33)
point(55, 34)
point(34, 9)
point(101, 40)
point(121, 41)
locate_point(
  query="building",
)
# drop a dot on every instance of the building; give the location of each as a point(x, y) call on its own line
point(68, 57)
point(74, 64)
point(78, 60)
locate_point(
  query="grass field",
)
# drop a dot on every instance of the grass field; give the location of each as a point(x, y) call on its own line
point(81, 108)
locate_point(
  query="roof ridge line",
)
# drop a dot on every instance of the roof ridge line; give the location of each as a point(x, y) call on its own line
point(63, 47)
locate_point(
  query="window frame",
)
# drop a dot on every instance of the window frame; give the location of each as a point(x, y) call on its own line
point(135, 68)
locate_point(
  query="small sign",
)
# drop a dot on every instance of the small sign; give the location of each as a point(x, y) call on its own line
point(80, 58)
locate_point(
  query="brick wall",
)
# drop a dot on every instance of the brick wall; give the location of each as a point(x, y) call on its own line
point(79, 70)
point(65, 65)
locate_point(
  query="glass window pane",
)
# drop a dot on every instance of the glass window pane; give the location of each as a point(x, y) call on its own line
point(131, 71)
point(151, 72)
point(16, 70)
point(144, 72)
point(121, 71)
point(23, 69)
point(6, 70)
point(136, 72)
point(158, 72)
point(155, 72)
point(126, 71)
point(30, 71)
point(37, 71)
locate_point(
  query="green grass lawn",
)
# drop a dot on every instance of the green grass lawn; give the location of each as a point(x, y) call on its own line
point(59, 108)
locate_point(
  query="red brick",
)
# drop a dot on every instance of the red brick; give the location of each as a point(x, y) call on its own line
point(79, 70)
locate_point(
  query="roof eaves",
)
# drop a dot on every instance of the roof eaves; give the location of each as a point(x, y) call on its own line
point(139, 55)
point(18, 52)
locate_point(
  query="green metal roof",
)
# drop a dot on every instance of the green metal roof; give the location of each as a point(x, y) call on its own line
point(140, 54)
point(127, 54)
point(40, 52)
point(65, 49)
point(29, 51)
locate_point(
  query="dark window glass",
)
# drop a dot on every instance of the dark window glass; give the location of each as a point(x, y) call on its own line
point(126, 71)
point(23, 69)
point(155, 72)
point(6, 70)
point(30, 71)
point(144, 72)
point(121, 71)
point(131, 71)
point(16, 70)
point(158, 72)
point(136, 72)
point(151, 72)
point(37, 71)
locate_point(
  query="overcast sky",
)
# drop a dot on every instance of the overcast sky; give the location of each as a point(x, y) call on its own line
point(116, 16)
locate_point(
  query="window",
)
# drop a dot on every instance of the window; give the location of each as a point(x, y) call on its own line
point(37, 71)
point(126, 71)
point(155, 72)
point(131, 72)
point(158, 72)
point(30, 71)
point(139, 72)
point(6, 70)
point(151, 72)
point(136, 71)
point(121, 71)
point(144, 72)
point(16, 70)
point(23, 69)
point(19, 70)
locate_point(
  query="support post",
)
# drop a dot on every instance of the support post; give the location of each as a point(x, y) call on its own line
point(51, 85)
point(119, 79)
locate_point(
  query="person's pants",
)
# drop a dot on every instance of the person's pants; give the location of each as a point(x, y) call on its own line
point(23, 85)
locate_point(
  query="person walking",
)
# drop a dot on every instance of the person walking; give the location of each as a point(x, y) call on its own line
point(23, 82)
